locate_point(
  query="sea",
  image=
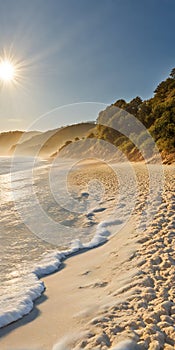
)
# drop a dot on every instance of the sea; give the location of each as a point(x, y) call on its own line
point(46, 217)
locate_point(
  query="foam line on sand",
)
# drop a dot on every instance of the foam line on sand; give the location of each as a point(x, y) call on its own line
point(118, 296)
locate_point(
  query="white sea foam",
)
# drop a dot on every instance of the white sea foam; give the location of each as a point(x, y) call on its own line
point(19, 301)
point(20, 290)
point(21, 280)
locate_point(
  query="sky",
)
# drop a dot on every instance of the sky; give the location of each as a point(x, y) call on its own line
point(76, 51)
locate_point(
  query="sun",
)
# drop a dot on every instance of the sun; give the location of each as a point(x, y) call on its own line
point(13, 70)
point(7, 71)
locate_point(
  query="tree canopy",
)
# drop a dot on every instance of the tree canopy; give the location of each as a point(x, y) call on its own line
point(157, 114)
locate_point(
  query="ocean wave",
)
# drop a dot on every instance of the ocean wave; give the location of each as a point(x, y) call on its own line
point(23, 291)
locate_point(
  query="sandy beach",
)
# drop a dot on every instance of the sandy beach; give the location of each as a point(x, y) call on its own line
point(119, 295)
point(87, 175)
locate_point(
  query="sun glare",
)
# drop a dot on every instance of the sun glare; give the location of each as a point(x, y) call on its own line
point(7, 71)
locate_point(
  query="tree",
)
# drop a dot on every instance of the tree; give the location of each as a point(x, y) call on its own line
point(134, 105)
point(172, 74)
point(90, 136)
point(157, 114)
point(120, 103)
point(65, 145)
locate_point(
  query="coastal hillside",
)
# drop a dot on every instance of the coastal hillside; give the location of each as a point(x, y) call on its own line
point(46, 143)
point(8, 139)
point(31, 145)
point(156, 114)
point(116, 134)
point(58, 139)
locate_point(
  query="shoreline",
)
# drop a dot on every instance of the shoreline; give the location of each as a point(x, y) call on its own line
point(81, 265)
point(122, 290)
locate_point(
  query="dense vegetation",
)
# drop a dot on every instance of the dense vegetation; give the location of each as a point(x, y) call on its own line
point(156, 114)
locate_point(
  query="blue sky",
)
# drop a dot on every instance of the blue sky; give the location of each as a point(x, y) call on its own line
point(82, 50)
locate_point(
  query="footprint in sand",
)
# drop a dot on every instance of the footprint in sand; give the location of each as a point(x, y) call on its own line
point(100, 284)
